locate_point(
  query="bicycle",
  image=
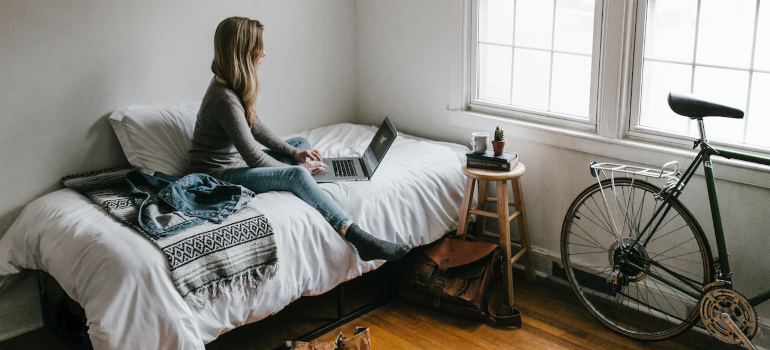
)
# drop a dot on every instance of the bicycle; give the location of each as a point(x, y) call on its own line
point(640, 262)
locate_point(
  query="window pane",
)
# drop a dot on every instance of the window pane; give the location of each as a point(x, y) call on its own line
point(574, 30)
point(658, 80)
point(724, 42)
point(759, 112)
point(495, 73)
point(724, 86)
point(534, 23)
point(726, 32)
point(496, 21)
point(514, 55)
point(571, 88)
point(762, 53)
point(670, 30)
point(531, 78)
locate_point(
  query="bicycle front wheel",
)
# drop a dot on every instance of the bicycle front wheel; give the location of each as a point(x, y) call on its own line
point(648, 290)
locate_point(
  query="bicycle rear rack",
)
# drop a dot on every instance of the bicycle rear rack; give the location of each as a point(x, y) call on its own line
point(669, 171)
point(631, 170)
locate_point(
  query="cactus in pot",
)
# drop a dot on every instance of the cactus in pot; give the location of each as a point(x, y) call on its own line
point(499, 134)
point(498, 144)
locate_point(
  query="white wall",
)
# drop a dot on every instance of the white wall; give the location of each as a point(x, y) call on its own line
point(408, 70)
point(65, 65)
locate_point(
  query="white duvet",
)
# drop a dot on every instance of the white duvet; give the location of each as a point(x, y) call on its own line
point(121, 279)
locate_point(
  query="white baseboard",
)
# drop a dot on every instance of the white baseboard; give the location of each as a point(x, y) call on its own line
point(544, 260)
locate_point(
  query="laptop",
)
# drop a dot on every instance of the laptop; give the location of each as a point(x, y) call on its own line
point(360, 169)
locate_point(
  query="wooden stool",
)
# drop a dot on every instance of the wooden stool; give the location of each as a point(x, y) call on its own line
point(503, 216)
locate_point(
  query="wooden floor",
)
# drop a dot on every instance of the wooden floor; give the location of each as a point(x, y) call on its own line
point(552, 319)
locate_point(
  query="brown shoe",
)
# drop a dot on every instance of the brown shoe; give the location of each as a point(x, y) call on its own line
point(315, 345)
point(361, 340)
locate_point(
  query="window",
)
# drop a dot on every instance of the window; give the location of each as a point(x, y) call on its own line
point(535, 56)
point(608, 65)
point(715, 49)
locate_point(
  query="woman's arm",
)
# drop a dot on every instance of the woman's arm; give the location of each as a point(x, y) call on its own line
point(265, 136)
point(310, 159)
point(233, 121)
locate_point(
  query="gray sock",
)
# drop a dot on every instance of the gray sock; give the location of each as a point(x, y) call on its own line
point(372, 248)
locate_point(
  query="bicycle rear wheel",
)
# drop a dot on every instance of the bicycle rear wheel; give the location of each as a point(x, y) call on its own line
point(638, 305)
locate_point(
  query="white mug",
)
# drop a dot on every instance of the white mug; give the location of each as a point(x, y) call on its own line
point(479, 141)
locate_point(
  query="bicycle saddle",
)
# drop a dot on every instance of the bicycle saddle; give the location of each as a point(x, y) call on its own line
point(694, 108)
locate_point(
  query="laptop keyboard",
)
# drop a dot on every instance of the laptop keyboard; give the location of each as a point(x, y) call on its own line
point(344, 168)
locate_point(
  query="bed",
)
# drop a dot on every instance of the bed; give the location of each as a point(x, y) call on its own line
point(121, 279)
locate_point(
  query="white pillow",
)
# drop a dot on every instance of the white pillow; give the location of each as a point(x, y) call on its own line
point(156, 138)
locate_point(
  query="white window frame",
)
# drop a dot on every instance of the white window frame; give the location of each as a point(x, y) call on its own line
point(611, 136)
point(530, 114)
point(616, 81)
point(640, 132)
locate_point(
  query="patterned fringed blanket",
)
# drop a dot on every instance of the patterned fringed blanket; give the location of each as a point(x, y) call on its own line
point(206, 260)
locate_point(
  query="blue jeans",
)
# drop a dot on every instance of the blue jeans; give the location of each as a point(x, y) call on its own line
point(295, 179)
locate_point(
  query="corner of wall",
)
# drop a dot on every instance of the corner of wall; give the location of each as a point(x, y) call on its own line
point(356, 48)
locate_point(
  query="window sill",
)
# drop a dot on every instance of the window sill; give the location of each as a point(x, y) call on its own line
point(638, 152)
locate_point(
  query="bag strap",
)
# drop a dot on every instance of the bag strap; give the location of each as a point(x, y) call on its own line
point(457, 252)
point(502, 314)
point(441, 278)
point(451, 252)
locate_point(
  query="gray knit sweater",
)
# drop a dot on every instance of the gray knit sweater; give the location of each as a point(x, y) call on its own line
point(223, 140)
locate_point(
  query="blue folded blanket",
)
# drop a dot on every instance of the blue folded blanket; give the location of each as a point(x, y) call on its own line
point(208, 255)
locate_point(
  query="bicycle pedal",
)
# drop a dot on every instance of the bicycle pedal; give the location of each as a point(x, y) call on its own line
point(743, 339)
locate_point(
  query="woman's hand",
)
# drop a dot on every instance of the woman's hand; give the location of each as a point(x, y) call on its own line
point(314, 166)
point(306, 155)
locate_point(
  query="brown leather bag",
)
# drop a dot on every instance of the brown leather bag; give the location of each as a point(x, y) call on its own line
point(459, 277)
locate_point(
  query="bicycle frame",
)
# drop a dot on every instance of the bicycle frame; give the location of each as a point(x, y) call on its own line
point(721, 264)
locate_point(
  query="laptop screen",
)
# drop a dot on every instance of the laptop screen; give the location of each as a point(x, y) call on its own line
point(380, 144)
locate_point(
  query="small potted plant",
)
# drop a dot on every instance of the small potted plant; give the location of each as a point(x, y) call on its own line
point(498, 144)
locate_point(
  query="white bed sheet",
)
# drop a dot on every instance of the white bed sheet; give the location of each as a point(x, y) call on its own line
point(122, 281)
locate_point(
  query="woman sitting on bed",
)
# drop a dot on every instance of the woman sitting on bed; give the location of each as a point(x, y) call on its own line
point(224, 143)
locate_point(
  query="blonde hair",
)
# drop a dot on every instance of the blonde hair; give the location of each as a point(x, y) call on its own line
point(237, 48)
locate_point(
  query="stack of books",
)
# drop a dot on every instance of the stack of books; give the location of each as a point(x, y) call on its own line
point(488, 160)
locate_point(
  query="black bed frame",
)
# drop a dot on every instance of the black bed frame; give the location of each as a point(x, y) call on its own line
point(54, 301)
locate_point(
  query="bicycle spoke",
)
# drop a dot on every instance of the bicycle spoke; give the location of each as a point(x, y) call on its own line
point(589, 235)
point(607, 219)
point(675, 274)
point(638, 216)
point(594, 252)
point(645, 301)
point(666, 299)
point(666, 234)
point(685, 304)
point(647, 287)
point(605, 267)
point(657, 310)
point(584, 245)
point(598, 274)
point(627, 218)
point(606, 224)
point(638, 304)
point(678, 257)
point(672, 248)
